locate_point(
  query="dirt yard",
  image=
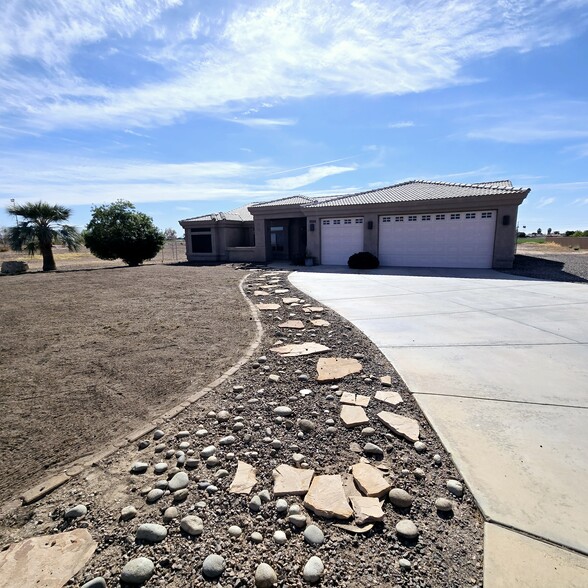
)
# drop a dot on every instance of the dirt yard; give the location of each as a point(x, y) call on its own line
point(89, 354)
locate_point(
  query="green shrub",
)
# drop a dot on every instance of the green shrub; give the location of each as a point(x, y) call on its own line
point(363, 260)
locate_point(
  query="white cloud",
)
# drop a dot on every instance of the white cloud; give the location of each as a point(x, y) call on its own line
point(312, 175)
point(404, 124)
point(263, 122)
point(545, 201)
point(581, 201)
point(218, 62)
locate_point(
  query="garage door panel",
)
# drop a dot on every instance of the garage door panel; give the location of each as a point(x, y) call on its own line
point(464, 239)
point(340, 238)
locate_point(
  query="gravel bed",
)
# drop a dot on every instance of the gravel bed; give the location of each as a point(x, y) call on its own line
point(446, 553)
point(560, 267)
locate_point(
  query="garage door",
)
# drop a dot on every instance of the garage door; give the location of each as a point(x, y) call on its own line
point(456, 239)
point(340, 238)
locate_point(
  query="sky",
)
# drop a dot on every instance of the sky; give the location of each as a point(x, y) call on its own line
point(186, 107)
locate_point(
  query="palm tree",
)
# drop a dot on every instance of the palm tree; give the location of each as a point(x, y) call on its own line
point(43, 225)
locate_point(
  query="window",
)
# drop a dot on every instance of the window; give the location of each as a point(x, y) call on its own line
point(470, 215)
point(386, 219)
point(337, 222)
point(399, 219)
point(486, 215)
point(455, 216)
point(347, 221)
point(326, 222)
point(439, 217)
point(412, 218)
point(201, 240)
point(358, 221)
point(426, 217)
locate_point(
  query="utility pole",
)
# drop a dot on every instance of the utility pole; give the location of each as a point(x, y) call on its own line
point(12, 201)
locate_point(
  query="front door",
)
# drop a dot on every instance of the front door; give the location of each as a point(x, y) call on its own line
point(279, 241)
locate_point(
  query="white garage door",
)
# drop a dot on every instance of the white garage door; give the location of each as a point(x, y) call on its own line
point(456, 239)
point(340, 238)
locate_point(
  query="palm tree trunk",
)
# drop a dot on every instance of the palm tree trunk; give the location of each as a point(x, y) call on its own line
point(48, 259)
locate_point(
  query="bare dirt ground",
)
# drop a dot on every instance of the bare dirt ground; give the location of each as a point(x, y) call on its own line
point(89, 354)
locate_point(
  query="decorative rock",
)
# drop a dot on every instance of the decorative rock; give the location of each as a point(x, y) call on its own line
point(274, 378)
point(159, 468)
point(400, 425)
point(268, 306)
point(256, 537)
point(292, 324)
point(298, 520)
point(159, 448)
point(320, 323)
point(137, 571)
point(306, 426)
point(244, 479)
point(281, 506)
point(212, 461)
point(255, 504)
point(170, 514)
point(201, 433)
point(289, 481)
point(192, 525)
point(151, 532)
point(235, 531)
point(313, 535)
point(208, 451)
point(437, 459)
point(181, 495)
point(371, 449)
point(408, 529)
point(336, 368)
point(283, 411)
point(400, 498)
point(388, 397)
point(98, 582)
point(420, 447)
point(221, 474)
point(13, 268)
point(127, 513)
point(179, 481)
point(143, 444)
point(455, 487)
point(444, 505)
point(265, 496)
point(212, 489)
point(326, 497)
point(386, 381)
point(158, 434)
point(280, 537)
point(354, 399)
point(182, 434)
point(154, 495)
point(265, 577)
point(75, 512)
point(313, 570)
point(404, 564)
point(369, 480)
point(223, 416)
point(419, 473)
point(229, 440)
point(299, 349)
point(139, 467)
point(213, 566)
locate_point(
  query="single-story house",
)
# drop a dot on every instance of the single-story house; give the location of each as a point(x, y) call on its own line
point(412, 224)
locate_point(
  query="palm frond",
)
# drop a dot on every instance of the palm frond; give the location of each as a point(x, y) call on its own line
point(70, 237)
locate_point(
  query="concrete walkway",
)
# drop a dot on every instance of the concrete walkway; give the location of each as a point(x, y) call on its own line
point(499, 366)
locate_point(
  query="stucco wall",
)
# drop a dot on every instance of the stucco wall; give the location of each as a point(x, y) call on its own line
point(581, 242)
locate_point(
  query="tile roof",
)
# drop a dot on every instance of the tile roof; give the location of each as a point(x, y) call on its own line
point(237, 214)
point(287, 201)
point(420, 190)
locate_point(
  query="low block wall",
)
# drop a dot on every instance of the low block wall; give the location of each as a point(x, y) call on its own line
point(581, 242)
point(241, 254)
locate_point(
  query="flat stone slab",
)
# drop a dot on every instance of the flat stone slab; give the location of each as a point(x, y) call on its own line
point(370, 480)
point(311, 309)
point(355, 399)
point(292, 324)
point(48, 561)
point(268, 306)
point(260, 293)
point(400, 425)
point(367, 510)
point(320, 323)
point(289, 481)
point(388, 397)
point(244, 479)
point(44, 488)
point(298, 349)
point(326, 498)
point(354, 528)
point(336, 368)
point(354, 416)
point(386, 381)
point(290, 300)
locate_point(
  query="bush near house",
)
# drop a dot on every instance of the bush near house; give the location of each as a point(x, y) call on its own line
point(363, 260)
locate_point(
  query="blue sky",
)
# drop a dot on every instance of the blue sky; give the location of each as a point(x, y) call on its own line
point(187, 107)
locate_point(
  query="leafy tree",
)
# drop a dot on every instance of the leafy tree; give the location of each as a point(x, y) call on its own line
point(41, 227)
point(170, 234)
point(118, 231)
point(539, 232)
point(549, 231)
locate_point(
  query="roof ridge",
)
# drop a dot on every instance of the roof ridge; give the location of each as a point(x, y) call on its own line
point(266, 202)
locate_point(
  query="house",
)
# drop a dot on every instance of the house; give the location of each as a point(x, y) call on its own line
point(411, 224)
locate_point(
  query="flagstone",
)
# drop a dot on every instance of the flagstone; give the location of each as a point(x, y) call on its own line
point(298, 349)
point(289, 481)
point(389, 397)
point(386, 381)
point(320, 323)
point(290, 300)
point(48, 561)
point(353, 416)
point(355, 399)
point(292, 324)
point(336, 368)
point(244, 479)
point(400, 425)
point(268, 306)
point(367, 509)
point(370, 480)
point(310, 309)
point(326, 497)
point(260, 293)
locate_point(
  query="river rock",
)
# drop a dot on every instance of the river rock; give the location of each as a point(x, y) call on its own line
point(408, 529)
point(443, 505)
point(401, 498)
point(192, 525)
point(265, 576)
point(455, 487)
point(313, 570)
point(213, 566)
point(76, 512)
point(313, 535)
point(151, 532)
point(179, 481)
point(137, 571)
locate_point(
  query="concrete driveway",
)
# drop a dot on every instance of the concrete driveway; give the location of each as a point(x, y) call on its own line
point(499, 366)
